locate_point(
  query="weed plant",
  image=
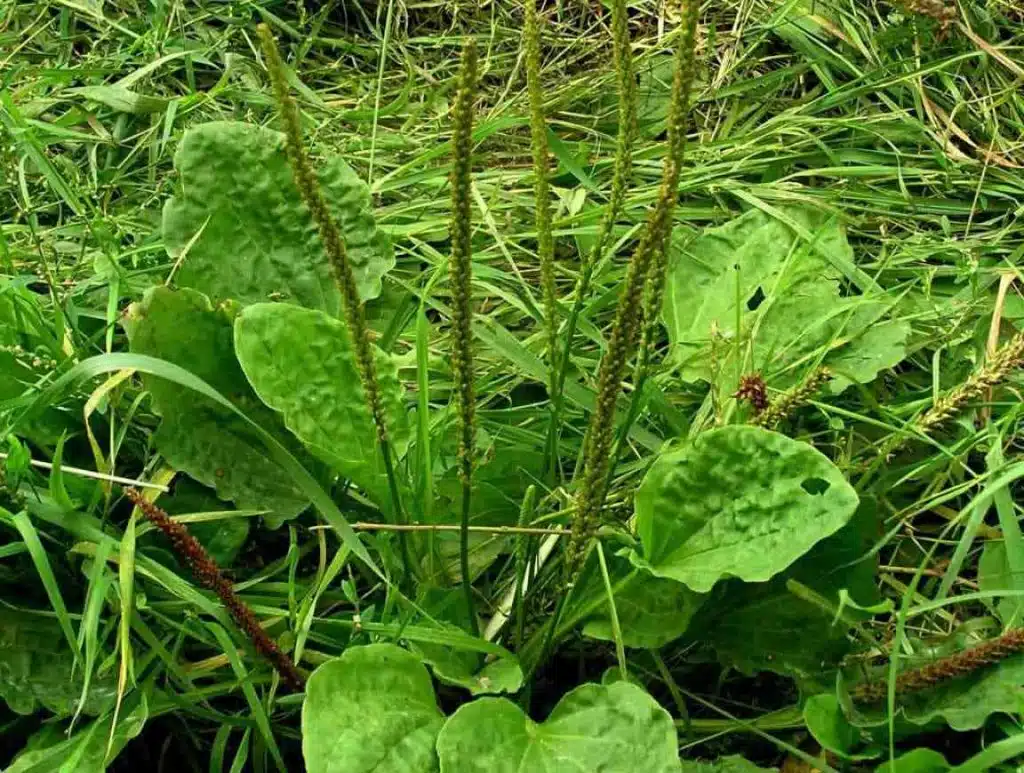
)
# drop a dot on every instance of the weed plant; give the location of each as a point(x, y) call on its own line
point(383, 388)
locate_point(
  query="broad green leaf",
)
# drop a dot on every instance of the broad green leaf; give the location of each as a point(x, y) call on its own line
point(301, 362)
point(785, 294)
point(370, 710)
point(616, 728)
point(916, 761)
point(207, 441)
point(963, 703)
point(91, 749)
point(480, 674)
point(740, 502)
point(300, 475)
point(652, 611)
point(767, 627)
point(827, 723)
point(37, 668)
point(242, 232)
point(732, 764)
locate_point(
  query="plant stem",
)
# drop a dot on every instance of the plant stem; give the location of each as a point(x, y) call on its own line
point(334, 246)
point(541, 192)
point(620, 180)
point(460, 277)
point(625, 333)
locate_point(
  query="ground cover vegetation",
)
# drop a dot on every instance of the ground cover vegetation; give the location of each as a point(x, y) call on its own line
point(534, 386)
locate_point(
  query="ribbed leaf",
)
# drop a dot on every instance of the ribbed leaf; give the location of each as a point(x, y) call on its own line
point(204, 439)
point(616, 728)
point(301, 363)
point(738, 502)
point(370, 711)
point(256, 239)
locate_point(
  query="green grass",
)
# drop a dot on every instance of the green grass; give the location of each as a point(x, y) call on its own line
point(912, 137)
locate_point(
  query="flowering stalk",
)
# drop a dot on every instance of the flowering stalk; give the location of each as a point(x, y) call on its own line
point(1006, 360)
point(783, 405)
point(334, 246)
point(625, 334)
point(960, 664)
point(460, 279)
point(209, 575)
point(626, 85)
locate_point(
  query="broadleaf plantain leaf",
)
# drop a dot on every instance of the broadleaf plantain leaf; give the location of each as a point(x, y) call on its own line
point(615, 728)
point(256, 239)
point(37, 668)
point(734, 763)
point(767, 627)
point(740, 502)
point(372, 710)
point(301, 362)
point(786, 293)
point(203, 439)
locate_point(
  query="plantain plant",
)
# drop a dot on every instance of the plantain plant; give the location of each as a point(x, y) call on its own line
point(273, 389)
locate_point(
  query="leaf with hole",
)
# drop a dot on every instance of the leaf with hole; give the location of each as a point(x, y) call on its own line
point(240, 229)
point(786, 294)
point(301, 362)
point(616, 728)
point(197, 436)
point(372, 710)
point(740, 502)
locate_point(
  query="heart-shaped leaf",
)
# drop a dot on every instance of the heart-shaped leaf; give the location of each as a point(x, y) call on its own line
point(738, 502)
point(616, 728)
point(196, 435)
point(301, 362)
point(241, 230)
point(372, 710)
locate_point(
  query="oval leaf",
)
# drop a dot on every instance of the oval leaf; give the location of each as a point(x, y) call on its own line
point(372, 709)
point(617, 728)
point(206, 440)
point(301, 363)
point(738, 502)
point(242, 231)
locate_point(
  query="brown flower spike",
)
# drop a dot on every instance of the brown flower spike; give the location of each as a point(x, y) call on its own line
point(754, 391)
point(961, 664)
point(209, 575)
